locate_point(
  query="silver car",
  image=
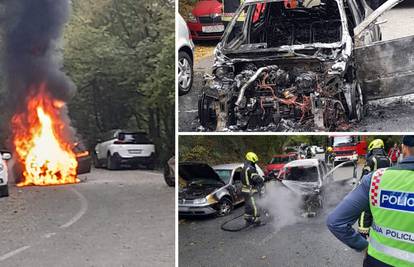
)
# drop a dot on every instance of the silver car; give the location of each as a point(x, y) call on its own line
point(185, 57)
point(208, 190)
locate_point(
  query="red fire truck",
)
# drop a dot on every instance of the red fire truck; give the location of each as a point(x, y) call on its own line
point(347, 147)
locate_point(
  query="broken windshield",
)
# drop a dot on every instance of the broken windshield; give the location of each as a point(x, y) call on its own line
point(275, 24)
point(302, 174)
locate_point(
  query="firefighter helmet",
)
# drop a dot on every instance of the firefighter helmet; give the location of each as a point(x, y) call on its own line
point(377, 143)
point(251, 156)
point(329, 149)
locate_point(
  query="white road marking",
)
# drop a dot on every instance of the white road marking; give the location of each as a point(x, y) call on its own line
point(12, 253)
point(49, 235)
point(190, 111)
point(81, 212)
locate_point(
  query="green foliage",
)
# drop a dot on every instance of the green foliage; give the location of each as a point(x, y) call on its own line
point(120, 54)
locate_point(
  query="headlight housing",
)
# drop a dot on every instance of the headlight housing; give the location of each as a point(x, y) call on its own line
point(191, 18)
point(200, 201)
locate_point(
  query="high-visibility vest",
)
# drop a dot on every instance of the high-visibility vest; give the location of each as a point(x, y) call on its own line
point(391, 199)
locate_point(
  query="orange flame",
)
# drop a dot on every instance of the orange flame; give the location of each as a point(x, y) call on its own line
point(37, 136)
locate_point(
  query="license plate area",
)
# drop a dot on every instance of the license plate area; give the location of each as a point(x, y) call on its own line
point(213, 28)
point(135, 151)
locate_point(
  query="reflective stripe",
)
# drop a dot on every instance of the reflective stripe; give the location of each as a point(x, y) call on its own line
point(375, 163)
point(393, 252)
point(254, 207)
point(394, 234)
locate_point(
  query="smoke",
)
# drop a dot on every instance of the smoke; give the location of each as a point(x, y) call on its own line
point(284, 206)
point(33, 58)
point(33, 53)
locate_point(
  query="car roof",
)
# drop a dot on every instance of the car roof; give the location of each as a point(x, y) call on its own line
point(229, 166)
point(303, 162)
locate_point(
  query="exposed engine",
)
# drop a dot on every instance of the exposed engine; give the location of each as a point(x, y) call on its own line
point(267, 96)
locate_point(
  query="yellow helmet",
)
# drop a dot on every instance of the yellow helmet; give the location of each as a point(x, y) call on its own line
point(377, 143)
point(251, 156)
point(329, 149)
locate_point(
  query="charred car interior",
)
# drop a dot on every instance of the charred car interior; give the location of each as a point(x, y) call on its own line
point(280, 68)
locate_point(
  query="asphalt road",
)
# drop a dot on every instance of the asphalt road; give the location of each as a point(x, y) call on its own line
point(114, 218)
point(394, 117)
point(289, 240)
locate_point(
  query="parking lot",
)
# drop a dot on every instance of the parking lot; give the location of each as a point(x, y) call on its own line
point(288, 240)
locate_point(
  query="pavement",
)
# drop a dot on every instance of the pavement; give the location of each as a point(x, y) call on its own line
point(288, 240)
point(396, 116)
point(112, 218)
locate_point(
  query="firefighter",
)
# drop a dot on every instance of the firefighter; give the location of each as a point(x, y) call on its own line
point(252, 181)
point(376, 158)
point(329, 156)
point(389, 195)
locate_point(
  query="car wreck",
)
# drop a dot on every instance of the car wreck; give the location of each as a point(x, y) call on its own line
point(299, 68)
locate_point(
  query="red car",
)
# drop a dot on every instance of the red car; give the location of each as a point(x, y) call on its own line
point(204, 21)
point(278, 162)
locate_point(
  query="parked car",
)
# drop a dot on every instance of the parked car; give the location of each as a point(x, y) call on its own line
point(278, 162)
point(319, 150)
point(313, 66)
point(204, 21)
point(119, 147)
point(185, 48)
point(306, 178)
point(4, 186)
point(83, 158)
point(169, 172)
point(208, 190)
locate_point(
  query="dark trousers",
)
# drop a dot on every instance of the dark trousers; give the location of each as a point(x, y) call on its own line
point(373, 262)
point(251, 210)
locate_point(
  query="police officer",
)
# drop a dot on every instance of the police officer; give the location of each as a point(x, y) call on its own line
point(389, 195)
point(251, 181)
point(376, 158)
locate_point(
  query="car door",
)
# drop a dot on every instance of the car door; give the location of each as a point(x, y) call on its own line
point(237, 185)
point(384, 68)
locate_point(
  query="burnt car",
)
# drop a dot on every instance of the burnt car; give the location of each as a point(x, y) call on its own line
point(206, 190)
point(311, 66)
point(307, 178)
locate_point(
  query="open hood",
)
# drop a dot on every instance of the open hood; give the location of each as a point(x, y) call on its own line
point(190, 171)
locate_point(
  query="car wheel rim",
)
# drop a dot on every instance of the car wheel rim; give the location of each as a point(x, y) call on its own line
point(184, 73)
point(225, 208)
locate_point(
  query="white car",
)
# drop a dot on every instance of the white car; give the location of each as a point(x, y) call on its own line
point(4, 187)
point(185, 48)
point(119, 147)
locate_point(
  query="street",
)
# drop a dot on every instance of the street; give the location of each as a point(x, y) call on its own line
point(288, 240)
point(389, 116)
point(112, 218)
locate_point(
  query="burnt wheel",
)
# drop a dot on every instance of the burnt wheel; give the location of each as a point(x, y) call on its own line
point(357, 102)
point(225, 206)
point(206, 113)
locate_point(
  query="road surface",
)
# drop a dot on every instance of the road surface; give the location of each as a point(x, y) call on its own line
point(287, 241)
point(114, 218)
point(383, 117)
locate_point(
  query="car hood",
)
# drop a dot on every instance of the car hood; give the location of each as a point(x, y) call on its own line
point(190, 171)
point(204, 8)
point(301, 188)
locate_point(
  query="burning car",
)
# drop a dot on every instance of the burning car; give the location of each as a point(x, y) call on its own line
point(83, 158)
point(208, 190)
point(311, 66)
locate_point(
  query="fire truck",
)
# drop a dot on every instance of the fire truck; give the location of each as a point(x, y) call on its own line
point(347, 147)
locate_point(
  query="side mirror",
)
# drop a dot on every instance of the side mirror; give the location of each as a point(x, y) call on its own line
point(6, 156)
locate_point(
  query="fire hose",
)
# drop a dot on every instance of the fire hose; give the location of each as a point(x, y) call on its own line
point(262, 211)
